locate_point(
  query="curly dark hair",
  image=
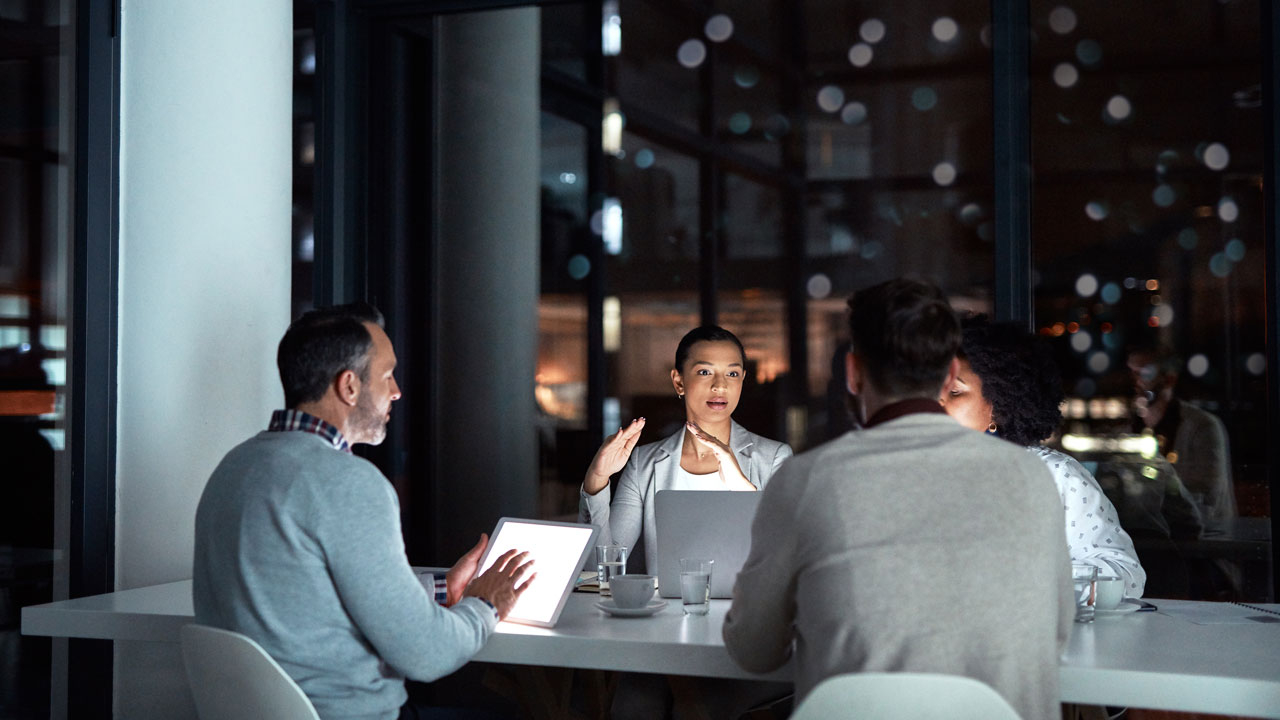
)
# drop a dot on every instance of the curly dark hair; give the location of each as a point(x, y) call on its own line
point(1019, 378)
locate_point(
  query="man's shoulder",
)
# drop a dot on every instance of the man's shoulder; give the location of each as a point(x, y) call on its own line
point(916, 441)
point(287, 454)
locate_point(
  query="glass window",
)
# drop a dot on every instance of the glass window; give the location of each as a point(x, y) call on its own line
point(36, 93)
point(1148, 233)
point(663, 53)
point(898, 157)
point(652, 286)
point(561, 377)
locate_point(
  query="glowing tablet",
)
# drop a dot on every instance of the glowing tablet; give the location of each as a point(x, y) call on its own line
point(559, 551)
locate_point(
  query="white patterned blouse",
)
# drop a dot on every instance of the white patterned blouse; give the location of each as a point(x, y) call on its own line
point(1094, 535)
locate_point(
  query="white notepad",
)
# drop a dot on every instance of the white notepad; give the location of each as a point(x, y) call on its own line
point(558, 550)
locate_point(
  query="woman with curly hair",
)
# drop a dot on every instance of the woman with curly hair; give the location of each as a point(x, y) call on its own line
point(1009, 385)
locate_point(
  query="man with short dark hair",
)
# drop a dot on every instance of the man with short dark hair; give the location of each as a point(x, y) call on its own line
point(912, 544)
point(298, 541)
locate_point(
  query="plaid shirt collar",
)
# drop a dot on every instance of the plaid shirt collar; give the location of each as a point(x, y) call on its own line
point(296, 420)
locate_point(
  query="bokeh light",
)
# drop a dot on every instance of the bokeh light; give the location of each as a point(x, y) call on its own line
point(1198, 365)
point(854, 113)
point(1164, 195)
point(944, 173)
point(1086, 285)
point(739, 123)
point(1256, 364)
point(1081, 341)
point(1216, 156)
point(1228, 211)
point(819, 286)
point(719, 28)
point(1110, 294)
point(860, 55)
point(1062, 20)
point(579, 267)
point(1097, 210)
point(1219, 265)
point(945, 29)
point(830, 98)
point(1188, 238)
point(1099, 362)
point(1089, 53)
point(872, 30)
point(1065, 75)
point(1119, 108)
point(692, 53)
point(1234, 250)
point(924, 98)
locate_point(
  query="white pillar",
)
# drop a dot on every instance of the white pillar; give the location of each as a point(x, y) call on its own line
point(486, 270)
point(205, 209)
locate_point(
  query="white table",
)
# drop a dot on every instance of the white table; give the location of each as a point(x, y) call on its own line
point(1147, 660)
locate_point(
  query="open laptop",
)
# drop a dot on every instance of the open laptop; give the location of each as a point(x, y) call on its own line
point(558, 550)
point(712, 524)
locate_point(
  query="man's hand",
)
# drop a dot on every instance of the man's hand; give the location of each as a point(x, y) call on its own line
point(612, 456)
point(463, 572)
point(501, 584)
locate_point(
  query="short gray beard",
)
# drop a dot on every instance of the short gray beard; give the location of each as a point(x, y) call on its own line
point(366, 423)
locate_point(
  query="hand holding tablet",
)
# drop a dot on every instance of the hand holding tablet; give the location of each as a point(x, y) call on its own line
point(559, 550)
point(501, 584)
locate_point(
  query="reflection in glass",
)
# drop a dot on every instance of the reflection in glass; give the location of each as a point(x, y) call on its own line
point(1153, 321)
point(36, 59)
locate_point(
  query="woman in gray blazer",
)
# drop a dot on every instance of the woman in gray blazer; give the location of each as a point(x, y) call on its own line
point(711, 452)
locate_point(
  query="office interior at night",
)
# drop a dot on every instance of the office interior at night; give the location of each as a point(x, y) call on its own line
point(543, 197)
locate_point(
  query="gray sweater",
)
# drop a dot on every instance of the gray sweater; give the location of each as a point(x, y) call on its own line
point(298, 546)
point(917, 546)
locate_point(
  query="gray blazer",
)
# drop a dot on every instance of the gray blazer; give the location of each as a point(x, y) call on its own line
point(652, 468)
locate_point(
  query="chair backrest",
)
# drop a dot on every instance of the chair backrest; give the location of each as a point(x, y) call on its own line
point(903, 696)
point(232, 677)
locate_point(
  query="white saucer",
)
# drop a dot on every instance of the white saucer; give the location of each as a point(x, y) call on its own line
point(612, 608)
point(1126, 606)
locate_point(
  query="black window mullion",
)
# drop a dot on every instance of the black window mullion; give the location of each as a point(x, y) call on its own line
point(1011, 140)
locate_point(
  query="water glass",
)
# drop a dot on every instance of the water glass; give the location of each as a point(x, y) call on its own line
point(1085, 580)
point(611, 560)
point(695, 585)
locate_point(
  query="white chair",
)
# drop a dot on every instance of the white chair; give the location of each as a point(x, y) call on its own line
point(903, 696)
point(233, 678)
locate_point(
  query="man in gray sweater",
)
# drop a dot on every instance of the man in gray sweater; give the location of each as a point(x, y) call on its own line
point(912, 544)
point(298, 541)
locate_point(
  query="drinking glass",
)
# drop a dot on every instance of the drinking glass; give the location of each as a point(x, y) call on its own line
point(1085, 579)
point(695, 585)
point(611, 560)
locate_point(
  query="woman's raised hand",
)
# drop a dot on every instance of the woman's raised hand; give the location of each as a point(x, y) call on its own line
point(612, 456)
point(730, 473)
point(709, 441)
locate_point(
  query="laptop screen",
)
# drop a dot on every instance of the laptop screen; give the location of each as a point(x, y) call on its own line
point(558, 550)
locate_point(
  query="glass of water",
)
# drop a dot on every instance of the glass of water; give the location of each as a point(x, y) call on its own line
point(1085, 579)
point(611, 560)
point(695, 585)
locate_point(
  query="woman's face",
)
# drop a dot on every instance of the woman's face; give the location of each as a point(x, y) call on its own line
point(964, 402)
point(711, 381)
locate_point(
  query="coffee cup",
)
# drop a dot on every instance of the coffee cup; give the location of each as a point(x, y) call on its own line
point(632, 591)
point(1110, 592)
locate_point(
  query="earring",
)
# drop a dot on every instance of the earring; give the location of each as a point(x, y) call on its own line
point(679, 394)
point(992, 429)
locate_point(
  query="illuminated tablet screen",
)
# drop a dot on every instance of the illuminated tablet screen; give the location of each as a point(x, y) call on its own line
point(558, 549)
